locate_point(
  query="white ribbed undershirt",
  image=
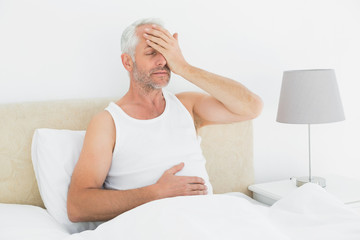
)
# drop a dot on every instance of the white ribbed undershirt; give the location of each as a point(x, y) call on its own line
point(145, 149)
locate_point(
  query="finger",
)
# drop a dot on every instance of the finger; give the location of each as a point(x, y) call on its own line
point(176, 36)
point(176, 168)
point(159, 28)
point(157, 33)
point(195, 180)
point(204, 192)
point(156, 40)
point(197, 187)
point(155, 46)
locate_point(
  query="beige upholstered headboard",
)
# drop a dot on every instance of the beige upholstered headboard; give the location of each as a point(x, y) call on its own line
point(227, 148)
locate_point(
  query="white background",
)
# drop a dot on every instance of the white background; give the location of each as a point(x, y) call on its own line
point(71, 49)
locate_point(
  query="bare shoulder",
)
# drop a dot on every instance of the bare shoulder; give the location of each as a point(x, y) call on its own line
point(101, 128)
point(101, 120)
point(190, 98)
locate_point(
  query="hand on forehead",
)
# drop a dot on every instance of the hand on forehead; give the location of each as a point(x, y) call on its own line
point(154, 30)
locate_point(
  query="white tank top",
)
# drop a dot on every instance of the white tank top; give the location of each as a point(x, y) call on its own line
point(145, 149)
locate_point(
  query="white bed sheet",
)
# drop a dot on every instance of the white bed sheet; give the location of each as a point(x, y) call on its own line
point(28, 222)
point(308, 213)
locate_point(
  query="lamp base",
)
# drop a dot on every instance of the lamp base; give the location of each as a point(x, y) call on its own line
point(317, 180)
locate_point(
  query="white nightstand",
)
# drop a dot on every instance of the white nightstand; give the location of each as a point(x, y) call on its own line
point(345, 189)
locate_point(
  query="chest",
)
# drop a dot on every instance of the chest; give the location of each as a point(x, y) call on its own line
point(154, 143)
point(143, 112)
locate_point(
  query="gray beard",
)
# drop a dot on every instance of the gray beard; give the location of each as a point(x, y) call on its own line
point(145, 80)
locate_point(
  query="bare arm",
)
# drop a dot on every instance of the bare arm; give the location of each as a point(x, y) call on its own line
point(240, 103)
point(229, 101)
point(88, 201)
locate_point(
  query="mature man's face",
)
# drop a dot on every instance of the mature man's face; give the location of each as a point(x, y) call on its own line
point(150, 66)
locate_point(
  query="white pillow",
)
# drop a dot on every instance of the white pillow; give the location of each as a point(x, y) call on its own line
point(19, 221)
point(54, 156)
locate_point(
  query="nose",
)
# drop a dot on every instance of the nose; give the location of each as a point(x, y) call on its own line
point(160, 60)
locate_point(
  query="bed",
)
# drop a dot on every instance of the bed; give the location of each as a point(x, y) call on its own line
point(38, 138)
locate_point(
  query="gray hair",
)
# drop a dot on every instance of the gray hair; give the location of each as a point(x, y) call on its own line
point(129, 39)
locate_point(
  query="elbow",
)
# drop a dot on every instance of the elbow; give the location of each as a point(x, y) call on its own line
point(73, 210)
point(254, 108)
point(73, 217)
point(257, 107)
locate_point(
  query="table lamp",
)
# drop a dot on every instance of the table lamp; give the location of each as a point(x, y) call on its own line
point(310, 97)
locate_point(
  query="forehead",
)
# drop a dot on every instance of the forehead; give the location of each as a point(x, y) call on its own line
point(140, 30)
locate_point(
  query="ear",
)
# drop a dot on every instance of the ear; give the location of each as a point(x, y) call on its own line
point(127, 62)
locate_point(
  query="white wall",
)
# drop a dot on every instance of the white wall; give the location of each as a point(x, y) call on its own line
point(70, 49)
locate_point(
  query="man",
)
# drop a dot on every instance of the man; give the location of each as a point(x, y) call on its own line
point(143, 147)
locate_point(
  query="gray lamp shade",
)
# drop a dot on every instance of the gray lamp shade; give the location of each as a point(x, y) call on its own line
point(310, 97)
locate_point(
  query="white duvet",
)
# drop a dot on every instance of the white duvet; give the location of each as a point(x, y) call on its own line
point(308, 213)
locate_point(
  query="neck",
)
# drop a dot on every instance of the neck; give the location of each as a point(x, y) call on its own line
point(145, 94)
point(142, 102)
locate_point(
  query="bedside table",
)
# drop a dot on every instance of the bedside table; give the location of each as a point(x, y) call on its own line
point(345, 189)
